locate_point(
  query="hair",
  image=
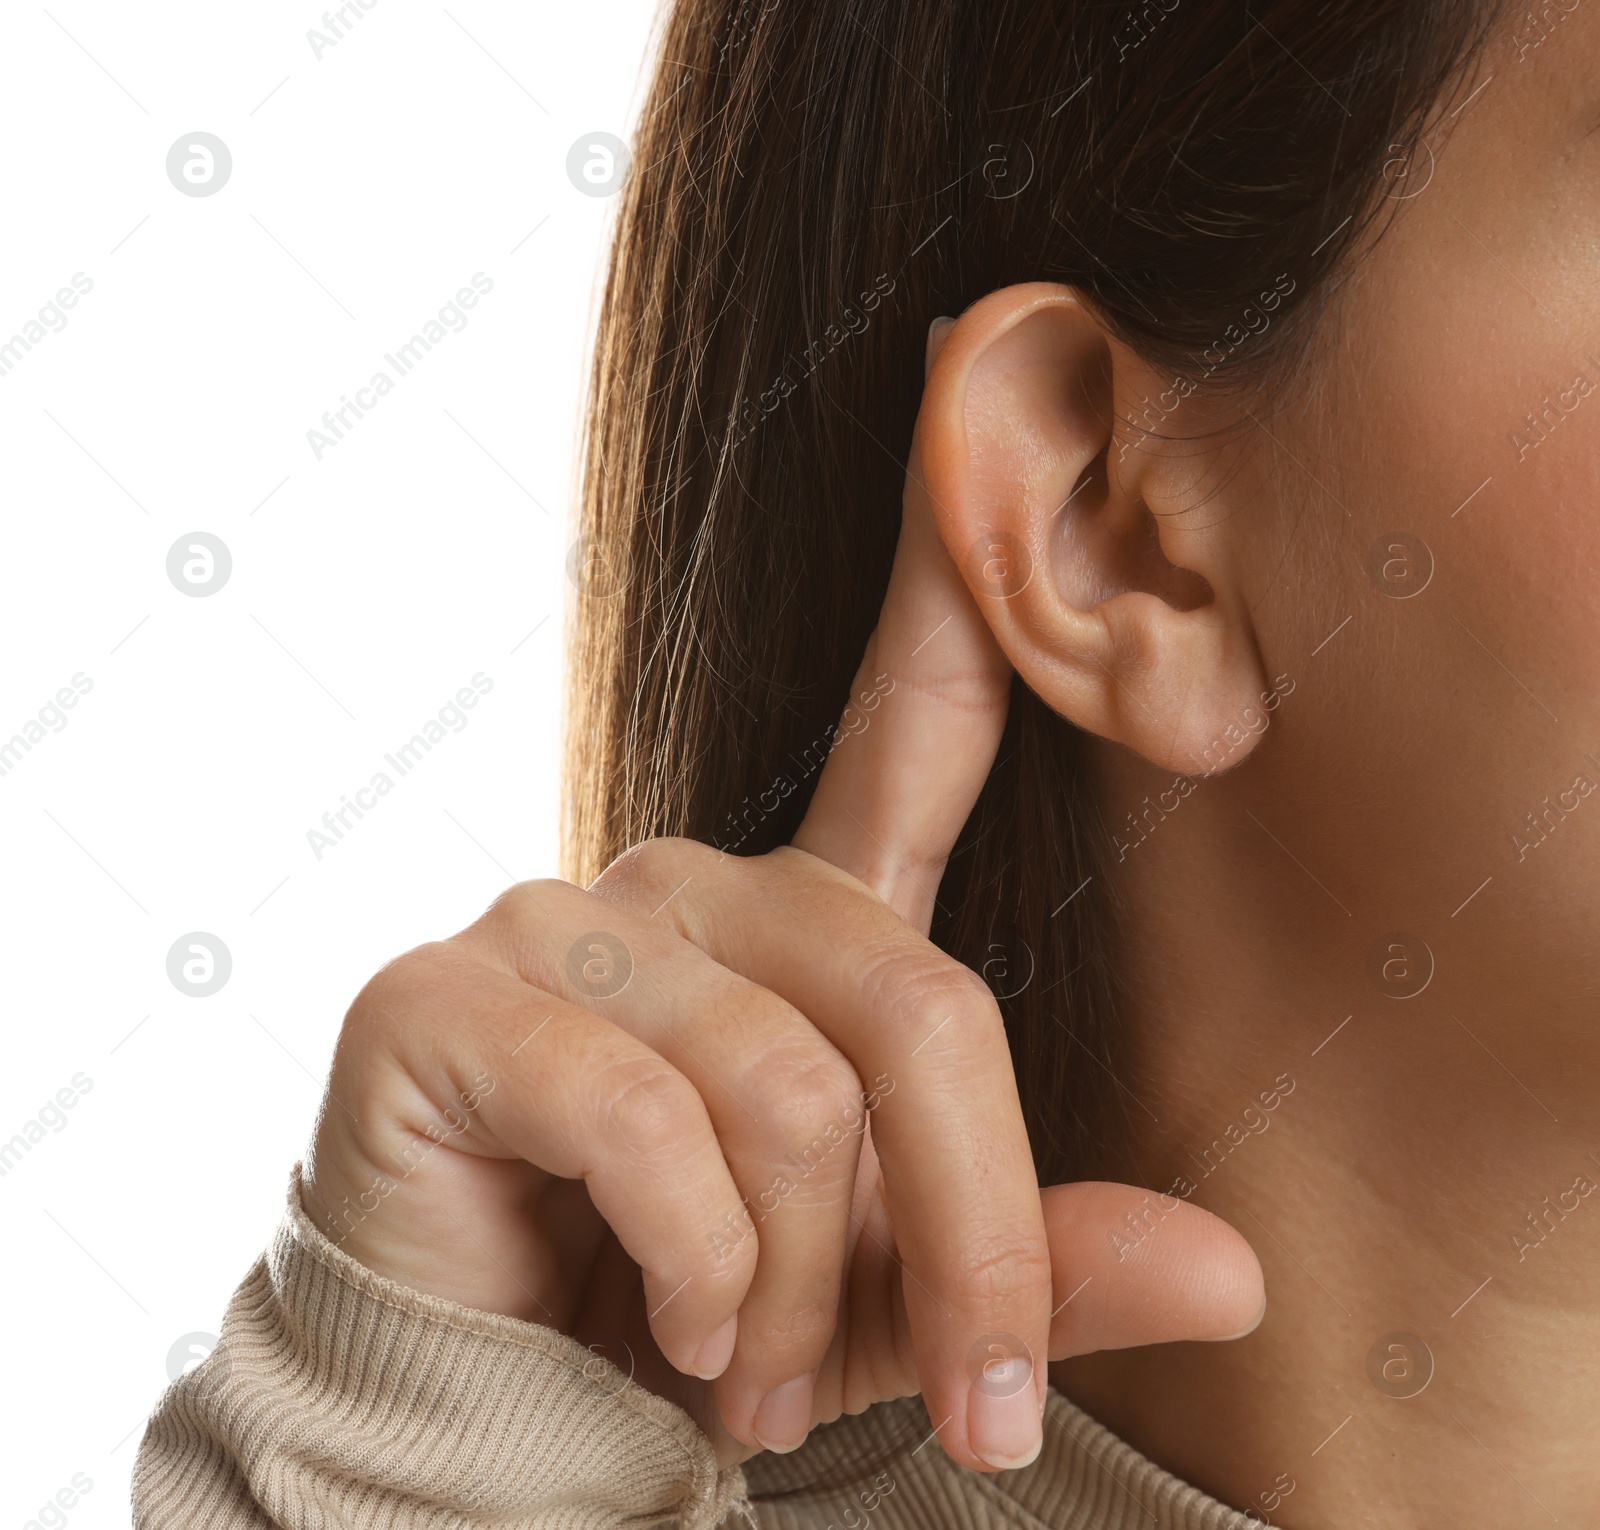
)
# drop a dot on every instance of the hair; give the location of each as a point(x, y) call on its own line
point(812, 182)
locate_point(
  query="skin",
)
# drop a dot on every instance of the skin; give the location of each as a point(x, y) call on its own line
point(1399, 1175)
point(1172, 583)
point(510, 1126)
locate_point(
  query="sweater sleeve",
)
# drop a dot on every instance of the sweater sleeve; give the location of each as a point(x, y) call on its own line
point(338, 1398)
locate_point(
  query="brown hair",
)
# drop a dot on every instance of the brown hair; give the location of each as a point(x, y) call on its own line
point(815, 180)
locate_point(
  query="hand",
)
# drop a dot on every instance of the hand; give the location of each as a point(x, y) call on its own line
point(740, 1119)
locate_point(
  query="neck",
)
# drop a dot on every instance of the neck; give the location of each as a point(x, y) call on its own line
point(1420, 1177)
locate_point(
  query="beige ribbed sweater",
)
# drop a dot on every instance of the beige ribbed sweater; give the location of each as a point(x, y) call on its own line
point(336, 1398)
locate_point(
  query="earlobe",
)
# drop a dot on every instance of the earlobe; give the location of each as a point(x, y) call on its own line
point(1109, 600)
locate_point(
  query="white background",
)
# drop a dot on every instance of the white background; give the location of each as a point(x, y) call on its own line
point(428, 546)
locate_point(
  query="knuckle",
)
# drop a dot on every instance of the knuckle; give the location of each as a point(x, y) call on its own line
point(815, 1098)
point(647, 862)
point(515, 908)
point(397, 985)
point(795, 1337)
point(996, 1274)
point(915, 992)
point(651, 870)
point(651, 1109)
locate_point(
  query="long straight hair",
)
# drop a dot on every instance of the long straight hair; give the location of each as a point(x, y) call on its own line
point(813, 181)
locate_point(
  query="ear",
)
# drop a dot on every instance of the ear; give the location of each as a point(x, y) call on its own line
point(1080, 533)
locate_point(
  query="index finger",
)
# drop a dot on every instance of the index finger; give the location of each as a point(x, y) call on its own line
point(925, 1036)
point(921, 730)
point(911, 755)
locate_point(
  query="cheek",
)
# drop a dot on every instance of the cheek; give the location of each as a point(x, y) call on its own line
point(1445, 508)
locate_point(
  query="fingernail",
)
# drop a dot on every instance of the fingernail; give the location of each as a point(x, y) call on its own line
point(1249, 1328)
point(783, 1420)
point(936, 333)
point(1003, 1423)
point(712, 1358)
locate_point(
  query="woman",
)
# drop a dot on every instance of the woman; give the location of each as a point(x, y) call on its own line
point(1226, 702)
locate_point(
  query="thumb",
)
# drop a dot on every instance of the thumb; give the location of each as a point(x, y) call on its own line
point(920, 732)
point(1133, 1266)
